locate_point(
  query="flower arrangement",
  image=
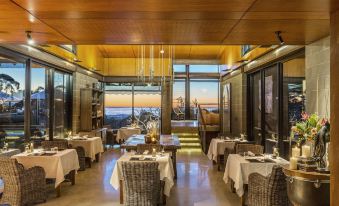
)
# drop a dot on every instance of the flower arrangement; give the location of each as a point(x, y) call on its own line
point(308, 128)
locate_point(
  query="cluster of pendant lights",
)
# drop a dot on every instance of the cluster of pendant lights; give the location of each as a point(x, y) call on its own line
point(152, 58)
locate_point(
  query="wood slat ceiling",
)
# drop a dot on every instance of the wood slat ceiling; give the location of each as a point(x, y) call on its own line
point(181, 51)
point(165, 21)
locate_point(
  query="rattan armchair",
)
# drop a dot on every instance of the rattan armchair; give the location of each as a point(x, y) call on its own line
point(81, 157)
point(22, 187)
point(142, 185)
point(229, 151)
point(268, 191)
point(143, 147)
point(61, 144)
point(254, 148)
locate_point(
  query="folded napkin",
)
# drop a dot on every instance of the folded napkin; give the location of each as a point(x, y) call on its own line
point(251, 154)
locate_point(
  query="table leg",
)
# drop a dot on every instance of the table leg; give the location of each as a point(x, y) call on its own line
point(89, 160)
point(97, 157)
point(58, 190)
point(121, 192)
point(72, 176)
point(218, 162)
point(174, 160)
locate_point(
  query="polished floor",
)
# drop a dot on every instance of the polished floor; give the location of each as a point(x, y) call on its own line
point(198, 184)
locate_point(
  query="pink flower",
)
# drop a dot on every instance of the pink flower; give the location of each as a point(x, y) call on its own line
point(305, 116)
point(323, 121)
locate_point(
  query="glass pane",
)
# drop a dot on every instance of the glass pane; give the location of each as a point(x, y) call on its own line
point(67, 101)
point(39, 100)
point(204, 93)
point(293, 96)
point(204, 68)
point(179, 68)
point(178, 103)
point(147, 105)
point(256, 107)
point(58, 105)
point(271, 107)
point(12, 93)
point(227, 108)
point(118, 105)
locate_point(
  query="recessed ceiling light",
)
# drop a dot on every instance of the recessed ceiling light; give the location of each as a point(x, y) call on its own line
point(31, 18)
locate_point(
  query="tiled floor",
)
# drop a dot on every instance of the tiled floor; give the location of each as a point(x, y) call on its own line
point(198, 184)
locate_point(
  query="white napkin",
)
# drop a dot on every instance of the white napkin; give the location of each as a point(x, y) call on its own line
point(251, 154)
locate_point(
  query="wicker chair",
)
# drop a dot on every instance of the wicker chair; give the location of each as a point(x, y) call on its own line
point(229, 151)
point(256, 149)
point(142, 184)
point(268, 191)
point(81, 157)
point(143, 147)
point(61, 144)
point(22, 187)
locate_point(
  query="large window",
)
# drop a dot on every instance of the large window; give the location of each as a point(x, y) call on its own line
point(118, 104)
point(127, 102)
point(198, 86)
point(206, 93)
point(12, 96)
point(39, 100)
point(62, 103)
point(178, 104)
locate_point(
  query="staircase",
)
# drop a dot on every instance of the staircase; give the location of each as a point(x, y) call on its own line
point(188, 134)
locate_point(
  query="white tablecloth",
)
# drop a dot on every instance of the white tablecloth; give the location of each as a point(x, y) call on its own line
point(92, 146)
point(165, 167)
point(218, 146)
point(56, 166)
point(125, 133)
point(238, 169)
point(10, 152)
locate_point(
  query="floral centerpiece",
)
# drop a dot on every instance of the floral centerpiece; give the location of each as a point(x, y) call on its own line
point(153, 130)
point(313, 133)
point(307, 129)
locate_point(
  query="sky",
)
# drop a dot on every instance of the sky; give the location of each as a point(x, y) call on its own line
point(204, 92)
point(125, 100)
point(18, 74)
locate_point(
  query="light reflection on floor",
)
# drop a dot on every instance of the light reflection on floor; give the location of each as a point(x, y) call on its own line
point(198, 184)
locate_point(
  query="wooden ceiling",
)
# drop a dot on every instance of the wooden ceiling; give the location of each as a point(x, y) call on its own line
point(164, 21)
point(179, 51)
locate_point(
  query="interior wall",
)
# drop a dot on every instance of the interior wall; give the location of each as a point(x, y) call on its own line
point(238, 103)
point(317, 58)
point(79, 81)
point(128, 67)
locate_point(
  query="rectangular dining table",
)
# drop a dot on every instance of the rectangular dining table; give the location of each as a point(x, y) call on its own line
point(171, 143)
point(92, 145)
point(238, 168)
point(125, 132)
point(9, 152)
point(165, 168)
point(217, 148)
point(56, 166)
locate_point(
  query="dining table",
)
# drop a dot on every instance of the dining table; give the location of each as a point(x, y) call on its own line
point(217, 148)
point(165, 167)
point(125, 132)
point(170, 143)
point(92, 145)
point(9, 152)
point(57, 164)
point(239, 167)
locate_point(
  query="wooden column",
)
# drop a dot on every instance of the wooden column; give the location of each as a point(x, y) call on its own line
point(334, 91)
point(166, 107)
